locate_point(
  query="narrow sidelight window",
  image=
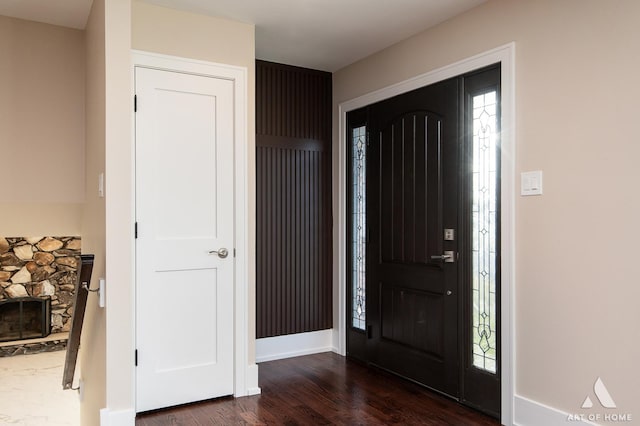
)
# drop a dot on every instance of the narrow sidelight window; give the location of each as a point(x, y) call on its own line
point(359, 239)
point(484, 230)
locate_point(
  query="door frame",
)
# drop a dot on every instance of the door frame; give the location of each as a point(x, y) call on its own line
point(505, 55)
point(245, 369)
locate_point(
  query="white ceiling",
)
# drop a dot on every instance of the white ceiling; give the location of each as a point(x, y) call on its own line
point(320, 34)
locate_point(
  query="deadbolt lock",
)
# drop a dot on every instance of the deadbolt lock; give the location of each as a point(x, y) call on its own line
point(449, 234)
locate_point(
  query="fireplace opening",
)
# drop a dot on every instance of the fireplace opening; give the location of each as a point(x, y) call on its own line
point(25, 318)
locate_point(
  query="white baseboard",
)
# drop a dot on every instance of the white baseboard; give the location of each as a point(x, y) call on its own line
point(252, 380)
point(531, 413)
point(117, 418)
point(280, 347)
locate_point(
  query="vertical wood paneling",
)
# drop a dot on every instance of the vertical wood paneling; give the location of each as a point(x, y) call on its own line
point(293, 102)
point(293, 184)
point(294, 292)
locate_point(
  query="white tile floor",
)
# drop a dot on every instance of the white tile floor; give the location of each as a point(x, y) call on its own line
point(31, 391)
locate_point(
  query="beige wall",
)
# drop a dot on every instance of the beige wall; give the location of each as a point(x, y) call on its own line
point(38, 218)
point(172, 32)
point(41, 128)
point(153, 29)
point(115, 27)
point(119, 211)
point(93, 345)
point(576, 286)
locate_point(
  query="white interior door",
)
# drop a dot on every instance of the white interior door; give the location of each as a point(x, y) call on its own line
point(184, 211)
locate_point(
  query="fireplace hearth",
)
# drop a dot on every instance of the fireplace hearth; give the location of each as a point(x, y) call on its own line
point(25, 318)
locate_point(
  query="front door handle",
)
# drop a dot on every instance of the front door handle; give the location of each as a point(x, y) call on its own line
point(222, 253)
point(447, 257)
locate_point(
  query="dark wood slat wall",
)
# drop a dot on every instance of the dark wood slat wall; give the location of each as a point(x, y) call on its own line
point(293, 102)
point(293, 185)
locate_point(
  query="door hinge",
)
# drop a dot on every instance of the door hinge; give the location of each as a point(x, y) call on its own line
point(369, 332)
point(135, 231)
point(234, 252)
point(136, 357)
point(135, 103)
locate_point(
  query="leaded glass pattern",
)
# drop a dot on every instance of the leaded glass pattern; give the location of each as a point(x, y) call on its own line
point(484, 266)
point(359, 236)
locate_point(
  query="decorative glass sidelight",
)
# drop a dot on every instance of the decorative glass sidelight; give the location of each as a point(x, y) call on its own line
point(359, 235)
point(484, 230)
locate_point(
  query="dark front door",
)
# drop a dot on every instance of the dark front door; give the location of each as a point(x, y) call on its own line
point(411, 294)
point(413, 214)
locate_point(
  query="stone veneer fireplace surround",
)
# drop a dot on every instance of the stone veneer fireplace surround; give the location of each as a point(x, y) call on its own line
point(41, 268)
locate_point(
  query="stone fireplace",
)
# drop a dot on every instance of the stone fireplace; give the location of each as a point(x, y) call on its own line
point(36, 271)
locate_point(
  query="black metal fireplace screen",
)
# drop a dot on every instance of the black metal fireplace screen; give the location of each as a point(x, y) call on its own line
point(25, 318)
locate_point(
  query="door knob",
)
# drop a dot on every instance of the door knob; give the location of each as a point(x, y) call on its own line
point(449, 292)
point(446, 257)
point(222, 253)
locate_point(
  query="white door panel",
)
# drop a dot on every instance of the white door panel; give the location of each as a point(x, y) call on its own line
point(184, 210)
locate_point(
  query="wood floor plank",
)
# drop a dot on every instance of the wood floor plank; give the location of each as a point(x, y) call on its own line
point(323, 389)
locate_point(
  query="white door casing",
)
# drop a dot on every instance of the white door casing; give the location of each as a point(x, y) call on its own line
point(184, 210)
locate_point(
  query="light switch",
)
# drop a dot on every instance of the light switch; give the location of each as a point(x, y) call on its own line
point(531, 183)
point(101, 295)
point(101, 185)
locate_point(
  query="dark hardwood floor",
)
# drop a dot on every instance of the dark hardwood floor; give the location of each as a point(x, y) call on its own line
point(323, 389)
